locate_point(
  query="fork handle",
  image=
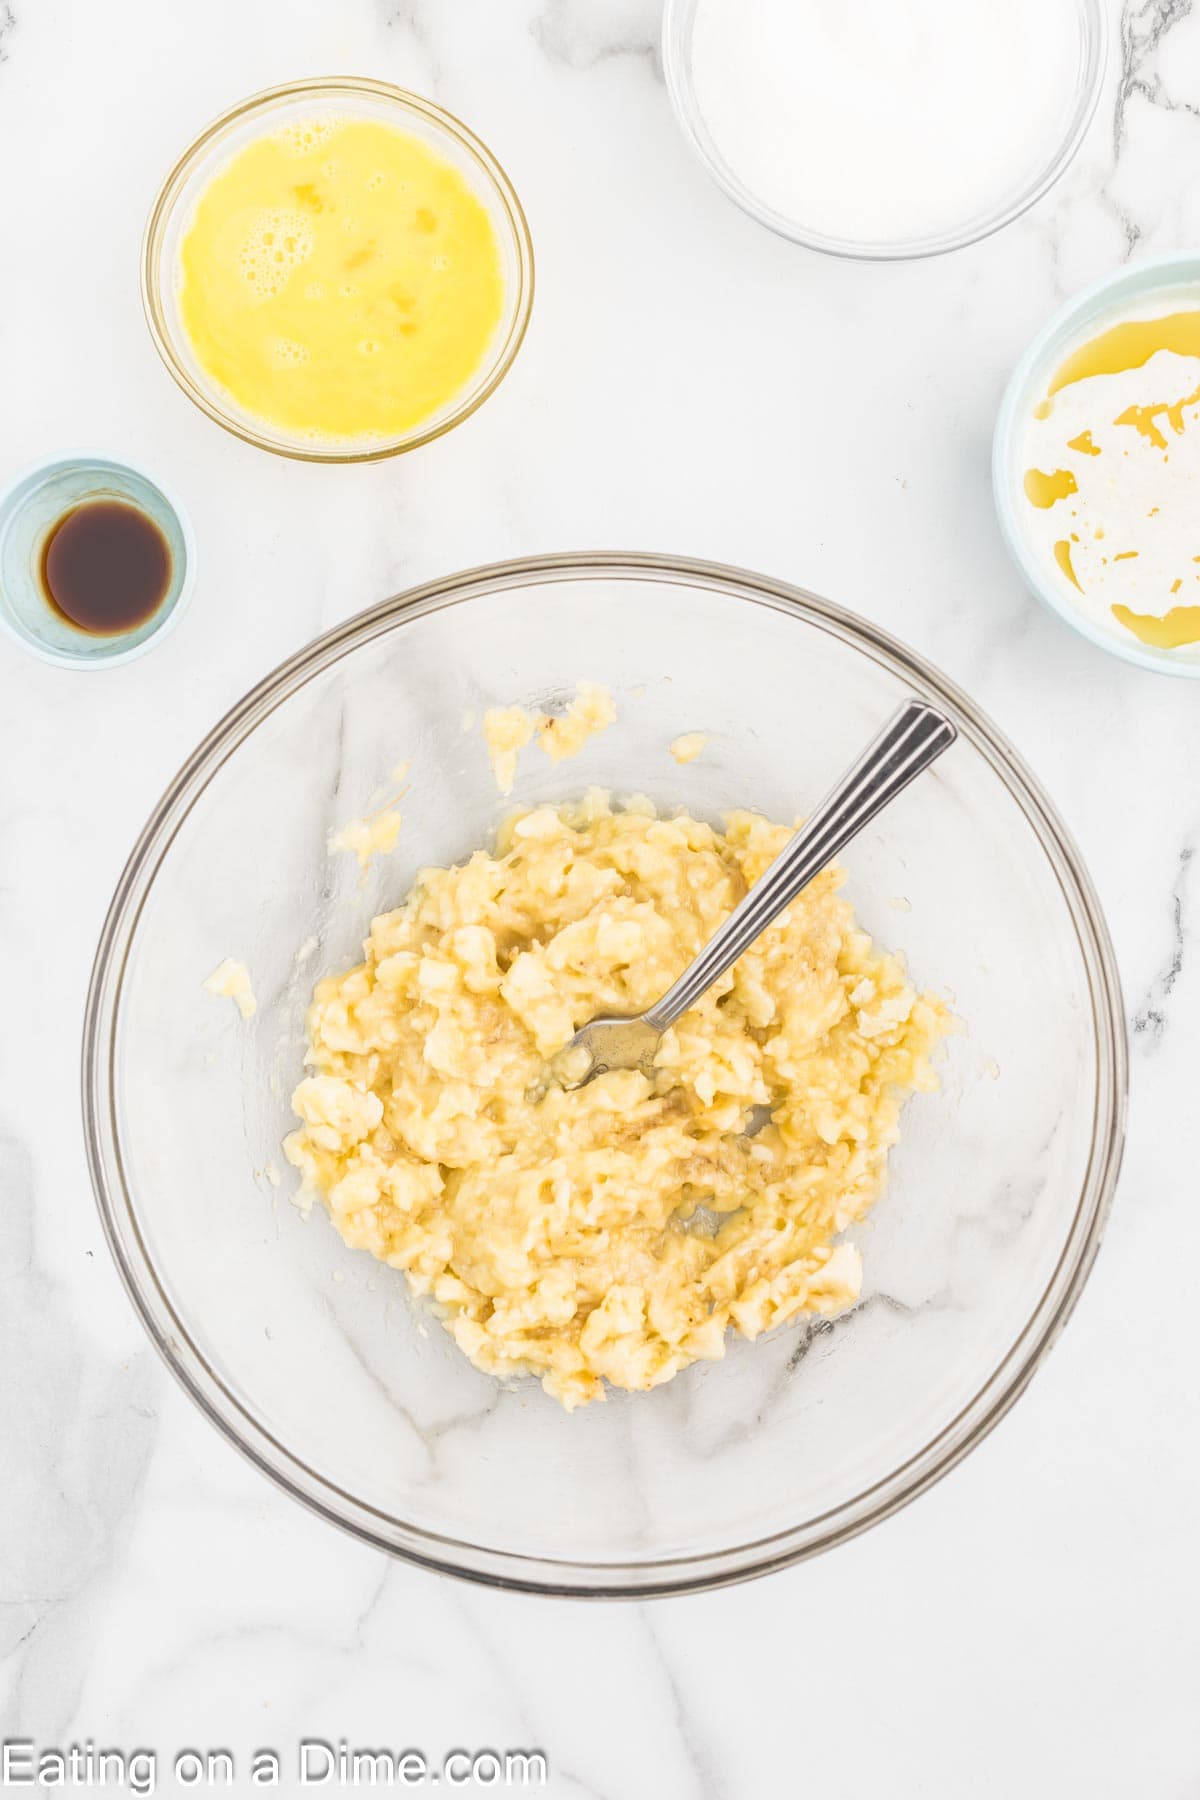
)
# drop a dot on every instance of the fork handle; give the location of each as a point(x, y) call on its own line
point(913, 739)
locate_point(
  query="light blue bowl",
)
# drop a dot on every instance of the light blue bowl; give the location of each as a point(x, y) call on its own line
point(1161, 276)
point(28, 509)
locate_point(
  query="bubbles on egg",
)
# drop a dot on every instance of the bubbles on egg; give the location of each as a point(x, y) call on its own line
point(277, 241)
point(302, 136)
point(286, 353)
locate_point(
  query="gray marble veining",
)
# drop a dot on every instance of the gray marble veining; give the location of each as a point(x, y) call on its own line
point(1151, 1018)
point(78, 1432)
point(579, 35)
point(1145, 30)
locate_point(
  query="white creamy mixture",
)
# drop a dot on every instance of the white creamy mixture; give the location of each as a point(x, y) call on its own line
point(1122, 453)
point(879, 121)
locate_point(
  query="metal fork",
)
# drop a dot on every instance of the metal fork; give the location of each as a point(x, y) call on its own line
point(913, 739)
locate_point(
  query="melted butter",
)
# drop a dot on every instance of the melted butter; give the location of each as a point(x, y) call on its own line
point(1083, 443)
point(1128, 346)
point(1062, 556)
point(1179, 626)
point(1145, 418)
point(1043, 490)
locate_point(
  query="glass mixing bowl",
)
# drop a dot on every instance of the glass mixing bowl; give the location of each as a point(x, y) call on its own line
point(312, 1358)
point(344, 96)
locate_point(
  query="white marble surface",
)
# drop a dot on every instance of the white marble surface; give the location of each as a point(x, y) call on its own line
point(1030, 1627)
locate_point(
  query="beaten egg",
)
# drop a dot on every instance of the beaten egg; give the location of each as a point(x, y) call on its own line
point(340, 280)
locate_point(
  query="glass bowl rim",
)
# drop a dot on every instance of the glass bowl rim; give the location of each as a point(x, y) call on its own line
point(526, 1571)
point(676, 65)
point(318, 88)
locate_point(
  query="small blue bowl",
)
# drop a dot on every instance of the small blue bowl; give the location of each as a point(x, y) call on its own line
point(31, 506)
point(1160, 276)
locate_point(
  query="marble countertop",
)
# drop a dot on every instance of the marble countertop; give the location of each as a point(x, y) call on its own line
point(690, 384)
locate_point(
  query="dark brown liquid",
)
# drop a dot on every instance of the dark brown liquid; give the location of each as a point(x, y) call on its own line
point(106, 567)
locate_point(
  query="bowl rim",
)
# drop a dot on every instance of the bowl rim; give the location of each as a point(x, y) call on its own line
point(678, 17)
point(524, 1571)
point(326, 87)
point(1138, 279)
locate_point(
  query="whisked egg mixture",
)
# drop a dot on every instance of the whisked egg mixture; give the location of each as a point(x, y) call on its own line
point(339, 280)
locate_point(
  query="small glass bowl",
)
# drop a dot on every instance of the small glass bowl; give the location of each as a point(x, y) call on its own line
point(679, 17)
point(358, 98)
point(29, 508)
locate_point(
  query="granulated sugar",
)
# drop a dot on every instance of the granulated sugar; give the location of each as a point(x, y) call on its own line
point(885, 121)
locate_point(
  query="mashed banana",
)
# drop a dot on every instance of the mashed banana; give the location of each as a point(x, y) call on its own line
point(507, 730)
point(615, 1232)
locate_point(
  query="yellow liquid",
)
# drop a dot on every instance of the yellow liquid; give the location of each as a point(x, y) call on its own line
point(1062, 556)
point(340, 280)
point(1129, 346)
point(1144, 418)
point(1043, 490)
point(1179, 626)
